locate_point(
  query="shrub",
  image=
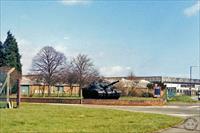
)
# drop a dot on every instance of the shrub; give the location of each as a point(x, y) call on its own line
point(147, 94)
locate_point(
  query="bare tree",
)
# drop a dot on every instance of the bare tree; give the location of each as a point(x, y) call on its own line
point(47, 63)
point(131, 76)
point(69, 77)
point(39, 80)
point(84, 69)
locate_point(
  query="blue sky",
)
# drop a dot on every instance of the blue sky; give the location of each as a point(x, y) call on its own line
point(146, 37)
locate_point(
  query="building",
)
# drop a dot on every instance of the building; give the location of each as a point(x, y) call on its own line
point(31, 86)
point(179, 86)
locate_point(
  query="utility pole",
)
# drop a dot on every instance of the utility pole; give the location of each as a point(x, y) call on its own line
point(191, 80)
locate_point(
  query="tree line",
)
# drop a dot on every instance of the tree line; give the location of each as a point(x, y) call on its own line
point(49, 65)
point(52, 67)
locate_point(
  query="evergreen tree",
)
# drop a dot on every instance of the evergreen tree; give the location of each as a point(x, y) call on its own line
point(12, 55)
point(2, 55)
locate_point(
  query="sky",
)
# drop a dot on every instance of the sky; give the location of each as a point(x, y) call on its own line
point(146, 37)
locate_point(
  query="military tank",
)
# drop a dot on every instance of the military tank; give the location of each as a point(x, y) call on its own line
point(101, 90)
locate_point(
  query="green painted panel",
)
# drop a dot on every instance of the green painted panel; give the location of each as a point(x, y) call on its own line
point(24, 90)
point(171, 91)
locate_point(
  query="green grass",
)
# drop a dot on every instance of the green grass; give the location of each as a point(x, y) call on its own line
point(138, 98)
point(55, 118)
point(183, 99)
point(3, 104)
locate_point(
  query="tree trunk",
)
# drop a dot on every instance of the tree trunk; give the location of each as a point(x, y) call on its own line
point(40, 90)
point(58, 91)
point(71, 89)
point(49, 90)
point(80, 87)
point(43, 91)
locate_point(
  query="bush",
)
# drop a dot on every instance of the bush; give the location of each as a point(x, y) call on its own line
point(147, 94)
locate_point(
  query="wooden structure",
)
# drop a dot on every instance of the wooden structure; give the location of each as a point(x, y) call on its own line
point(11, 77)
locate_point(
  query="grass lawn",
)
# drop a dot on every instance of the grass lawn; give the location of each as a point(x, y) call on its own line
point(183, 99)
point(2, 104)
point(55, 118)
point(138, 98)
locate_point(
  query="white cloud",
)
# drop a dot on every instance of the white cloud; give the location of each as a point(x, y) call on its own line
point(63, 49)
point(28, 51)
point(193, 10)
point(66, 50)
point(75, 2)
point(115, 71)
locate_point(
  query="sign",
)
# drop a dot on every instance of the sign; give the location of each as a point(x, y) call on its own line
point(171, 92)
point(198, 93)
point(157, 91)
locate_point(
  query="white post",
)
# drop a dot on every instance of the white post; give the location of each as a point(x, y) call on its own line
point(8, 87)
point(8, 91)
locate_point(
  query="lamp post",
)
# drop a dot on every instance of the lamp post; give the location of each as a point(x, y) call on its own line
point(191, 79)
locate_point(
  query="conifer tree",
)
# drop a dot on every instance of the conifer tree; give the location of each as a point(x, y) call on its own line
point(2, 55)
point(12, 55)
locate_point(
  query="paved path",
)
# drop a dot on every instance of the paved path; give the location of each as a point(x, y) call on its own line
point(181, 110)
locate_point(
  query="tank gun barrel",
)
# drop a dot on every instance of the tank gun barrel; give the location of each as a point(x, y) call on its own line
point(111, 84)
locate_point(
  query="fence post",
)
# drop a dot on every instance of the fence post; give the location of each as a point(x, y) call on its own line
point(18, 93)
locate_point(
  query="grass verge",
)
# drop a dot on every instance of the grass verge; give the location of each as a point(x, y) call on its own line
point(3, 104)
point(138, 98)
point(54, 118)
point(182, 99)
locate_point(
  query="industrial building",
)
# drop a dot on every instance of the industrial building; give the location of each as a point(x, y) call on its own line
point(179, 86)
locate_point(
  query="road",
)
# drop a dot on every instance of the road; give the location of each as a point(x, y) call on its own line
point(184, 111)
point(181, 110)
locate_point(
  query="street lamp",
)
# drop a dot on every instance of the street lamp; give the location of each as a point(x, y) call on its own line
point(191, 79)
